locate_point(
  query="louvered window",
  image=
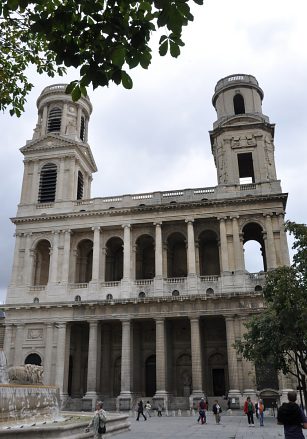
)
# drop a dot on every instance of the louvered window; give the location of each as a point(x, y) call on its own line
point(47, 184)
point(80, 186)
point(82, 128)
point(54, 120)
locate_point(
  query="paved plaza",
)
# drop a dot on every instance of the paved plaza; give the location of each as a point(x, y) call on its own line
point(183, 427)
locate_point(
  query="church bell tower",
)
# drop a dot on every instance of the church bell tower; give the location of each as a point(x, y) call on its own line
point(242, 138)
point(58, 163)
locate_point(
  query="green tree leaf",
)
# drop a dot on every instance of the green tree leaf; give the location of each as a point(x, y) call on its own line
point(126, 80)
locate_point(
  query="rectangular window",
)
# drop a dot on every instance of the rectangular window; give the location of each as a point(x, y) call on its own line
point(246, 168)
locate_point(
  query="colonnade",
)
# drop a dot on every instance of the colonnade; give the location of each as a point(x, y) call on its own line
point(231, 253)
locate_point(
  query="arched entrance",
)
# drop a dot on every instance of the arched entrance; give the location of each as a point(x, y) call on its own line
point(150, 376)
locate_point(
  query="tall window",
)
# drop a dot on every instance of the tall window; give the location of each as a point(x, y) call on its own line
point(47, 184)
point(246, 168)
point(54, 120)
point(80, 186)
point(238, 104)
point(82, 128)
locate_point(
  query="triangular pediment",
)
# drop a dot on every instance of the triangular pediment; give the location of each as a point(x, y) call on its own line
point(53, 142)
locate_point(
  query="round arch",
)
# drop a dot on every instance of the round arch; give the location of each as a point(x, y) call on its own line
point(254, 248)
point(176, 255)
point(209, 258)
point(114, 259)
point(33, 358)
point(145, 257)
point(41, 262)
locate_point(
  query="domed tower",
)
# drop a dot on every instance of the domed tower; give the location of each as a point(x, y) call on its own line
point(242, 138)
point(58, 161)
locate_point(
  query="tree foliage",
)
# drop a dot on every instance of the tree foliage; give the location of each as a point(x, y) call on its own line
point(279, 335)
point(103, 38)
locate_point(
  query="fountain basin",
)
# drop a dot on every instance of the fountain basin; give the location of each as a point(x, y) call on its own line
point(28, 402)
point(72, 426)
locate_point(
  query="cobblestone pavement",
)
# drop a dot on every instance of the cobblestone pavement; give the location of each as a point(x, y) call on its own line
point(232, 427)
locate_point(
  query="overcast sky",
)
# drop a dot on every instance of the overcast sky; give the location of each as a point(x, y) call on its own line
point(155, 137)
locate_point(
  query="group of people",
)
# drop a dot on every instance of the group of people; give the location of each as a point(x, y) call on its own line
point(290, 415)
point(203, 408)
point(250, 409)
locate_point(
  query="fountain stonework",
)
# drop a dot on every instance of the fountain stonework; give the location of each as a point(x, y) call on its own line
point(30, 410)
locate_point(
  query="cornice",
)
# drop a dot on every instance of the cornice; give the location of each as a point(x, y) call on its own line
point(157, 207)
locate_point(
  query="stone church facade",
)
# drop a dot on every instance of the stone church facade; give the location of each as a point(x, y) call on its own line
point(144, 295)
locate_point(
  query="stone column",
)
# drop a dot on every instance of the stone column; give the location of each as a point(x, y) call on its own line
point(125, 397)
point(64, 120)
point(44, 121)
point(224, 246)
point(191, 248)
point(16, 261)
point(35, 183)
point(249, 372)
point(270, 245)
point(158, 252)
point(161, 395)
point(238, 248)
point(127, 251)
point(60, 357)
point(29, 261)
point(96, 255)
point(283, 241)
point(8, 343)
point(54, 256)
point(48, 354)
point(234, 391)
point(197, 391)
point(91, 393)
point(66, 257)
point(19, 339)
point(60, 181)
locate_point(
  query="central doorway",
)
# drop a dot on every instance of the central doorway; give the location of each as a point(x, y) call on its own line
point(218, 379)
point(150, 375)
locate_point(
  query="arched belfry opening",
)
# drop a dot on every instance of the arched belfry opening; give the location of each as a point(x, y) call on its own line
point(176, 255)
point(209, 260)
point(254, 248)
point(47, 183)
point(238, 104)
point(114, 260)
point(145, 257)
point(84, 261)
point(42, 263)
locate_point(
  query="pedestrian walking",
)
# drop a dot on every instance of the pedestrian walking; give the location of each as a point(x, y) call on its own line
point(141, 411)
point(217, 410)
point(249, 410)
point(159, 409)
point(292, 417)
point(202, 411)
point(260, 409)
point(147, 409)
point(98, 422)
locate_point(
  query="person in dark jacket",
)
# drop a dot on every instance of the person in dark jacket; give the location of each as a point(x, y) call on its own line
point(217, 410)
point(141, 410)
point(249, 410)
point(292, 417)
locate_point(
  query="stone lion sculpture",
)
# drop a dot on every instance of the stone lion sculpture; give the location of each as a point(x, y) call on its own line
point(27, 374)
